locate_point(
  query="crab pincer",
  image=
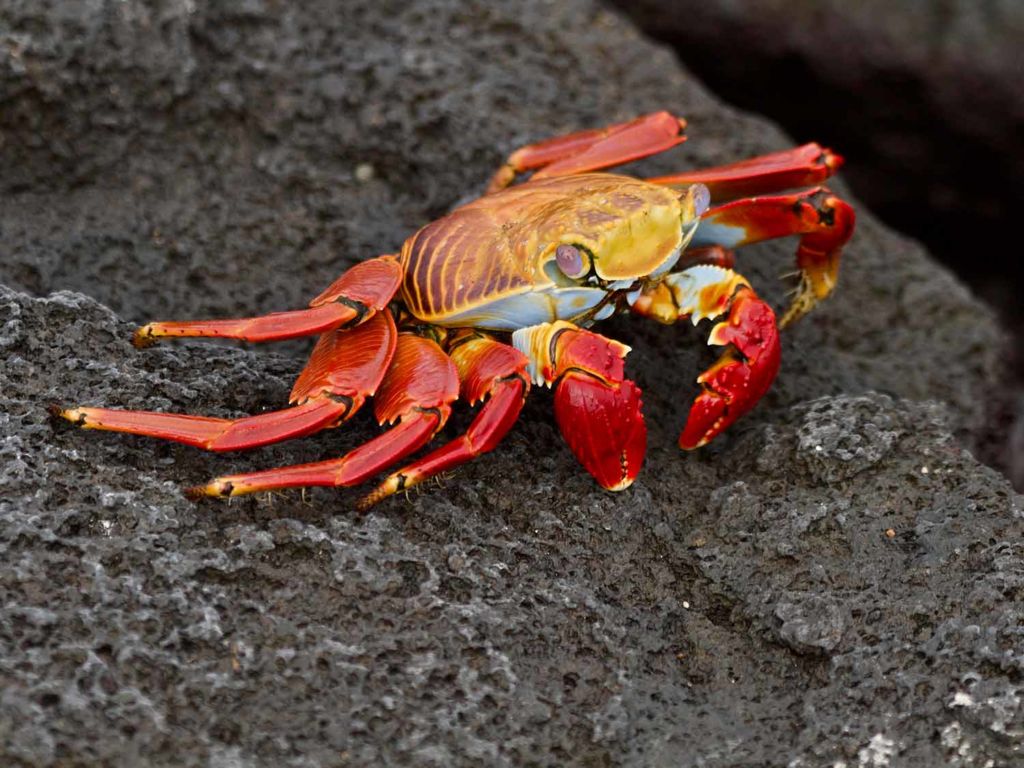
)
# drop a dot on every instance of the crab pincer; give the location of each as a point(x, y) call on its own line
point(748, 366)
point(598, 410)
point(741, 376)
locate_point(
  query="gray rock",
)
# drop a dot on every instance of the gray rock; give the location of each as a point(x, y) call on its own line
point(810, 622)
point(842, 436)
point(749, 603)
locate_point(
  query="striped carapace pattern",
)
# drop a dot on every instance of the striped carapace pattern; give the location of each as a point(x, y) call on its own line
point(498, 246)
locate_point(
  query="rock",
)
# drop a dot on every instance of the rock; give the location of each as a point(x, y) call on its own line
point(743, 604)
point(842, 436)
point(810, 623)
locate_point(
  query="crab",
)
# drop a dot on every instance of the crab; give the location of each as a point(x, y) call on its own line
point(501, 295)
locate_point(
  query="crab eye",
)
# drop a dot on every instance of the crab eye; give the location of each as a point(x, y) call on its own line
point(570, 260)
point(701, 199)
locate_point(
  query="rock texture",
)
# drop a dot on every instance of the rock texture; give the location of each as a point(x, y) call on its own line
point(837, 581)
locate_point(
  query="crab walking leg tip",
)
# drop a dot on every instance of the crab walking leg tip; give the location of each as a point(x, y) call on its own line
point(80, 417)
point(389, 487)
point(57, 412)
point(802, 303)
point(76, 416)
point(400, 481)
point(198, 492)
point(143, 337)
point(149, 335)
point(219, 488)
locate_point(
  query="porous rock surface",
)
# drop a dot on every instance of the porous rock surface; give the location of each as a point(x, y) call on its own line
point(835, 582)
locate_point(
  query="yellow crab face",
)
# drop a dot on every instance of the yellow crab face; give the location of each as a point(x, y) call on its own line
point(618, 232)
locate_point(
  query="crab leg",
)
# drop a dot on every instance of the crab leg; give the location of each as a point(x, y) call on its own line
point(748, 366)
point(824, 222)
point(345, 368)
point(597, 408)
point(714, 255)
point(594, 149)
point(417, 392)
point(487, 369)
point(803, 166)
point(363, 290)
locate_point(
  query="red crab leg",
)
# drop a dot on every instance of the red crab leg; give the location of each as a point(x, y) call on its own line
point(594, 149)
point(748, 366)
point(487, 369)
point(798, 167)
point(598, 410)
point(352, 298)
point(715, 255)
point(345, 368)
point(417, 392)
point(824, 221)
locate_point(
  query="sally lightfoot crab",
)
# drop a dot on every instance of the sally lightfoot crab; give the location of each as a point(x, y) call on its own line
point(501, 293)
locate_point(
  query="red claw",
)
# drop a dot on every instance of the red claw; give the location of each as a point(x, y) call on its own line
point(603, 425)
point(741, 376)
point(597, 408)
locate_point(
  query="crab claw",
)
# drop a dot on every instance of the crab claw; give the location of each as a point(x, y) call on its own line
point(741, 376)
point(603, 425)
point(597, 409)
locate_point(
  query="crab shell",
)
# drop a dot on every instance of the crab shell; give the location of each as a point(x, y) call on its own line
point(491, 264)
